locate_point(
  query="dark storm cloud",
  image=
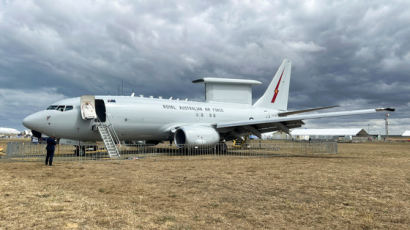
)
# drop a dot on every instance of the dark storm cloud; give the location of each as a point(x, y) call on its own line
point(349, 53)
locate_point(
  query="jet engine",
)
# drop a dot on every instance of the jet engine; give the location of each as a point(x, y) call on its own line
point(191, 136)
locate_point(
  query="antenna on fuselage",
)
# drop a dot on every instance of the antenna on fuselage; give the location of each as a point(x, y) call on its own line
point(132, 94)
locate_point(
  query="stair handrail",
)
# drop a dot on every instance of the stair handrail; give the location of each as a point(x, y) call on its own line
point(106, 127)
point(112, 130)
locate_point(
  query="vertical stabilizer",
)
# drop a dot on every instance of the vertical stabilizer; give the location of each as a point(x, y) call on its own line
point(277, 94)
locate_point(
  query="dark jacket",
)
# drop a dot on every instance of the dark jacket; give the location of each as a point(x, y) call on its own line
point(51, 143)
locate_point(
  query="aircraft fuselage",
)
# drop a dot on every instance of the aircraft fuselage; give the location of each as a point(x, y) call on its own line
point(138, 118)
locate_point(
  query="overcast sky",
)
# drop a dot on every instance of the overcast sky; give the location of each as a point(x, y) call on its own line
point(350, 53)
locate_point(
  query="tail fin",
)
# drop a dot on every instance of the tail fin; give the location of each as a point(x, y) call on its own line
point(277, 94)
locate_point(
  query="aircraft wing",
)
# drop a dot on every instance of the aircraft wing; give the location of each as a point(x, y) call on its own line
point(257, 127)
point(284, 114)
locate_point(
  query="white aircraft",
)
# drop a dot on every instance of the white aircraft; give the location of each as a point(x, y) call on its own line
point(226, 114)
point(8, 131)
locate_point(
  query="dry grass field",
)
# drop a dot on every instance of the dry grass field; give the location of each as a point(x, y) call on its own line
point(365, 186)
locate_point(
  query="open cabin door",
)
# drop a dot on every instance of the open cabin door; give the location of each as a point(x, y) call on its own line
point(88, 107)
point(92, 108)
point(100, 110)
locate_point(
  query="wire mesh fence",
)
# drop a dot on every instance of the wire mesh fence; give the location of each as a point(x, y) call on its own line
point(27, 151)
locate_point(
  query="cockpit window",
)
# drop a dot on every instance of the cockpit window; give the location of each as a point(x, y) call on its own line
point(52, 107)
point(61, 108)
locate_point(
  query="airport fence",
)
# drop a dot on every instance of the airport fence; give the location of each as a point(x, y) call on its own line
point(26, 151)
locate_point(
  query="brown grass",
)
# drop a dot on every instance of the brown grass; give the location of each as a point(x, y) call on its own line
point(365, 186)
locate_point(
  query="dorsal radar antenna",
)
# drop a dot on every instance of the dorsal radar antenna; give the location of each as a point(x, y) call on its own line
point(228, 90)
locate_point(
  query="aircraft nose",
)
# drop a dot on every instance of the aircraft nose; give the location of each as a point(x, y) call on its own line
point(32, 121)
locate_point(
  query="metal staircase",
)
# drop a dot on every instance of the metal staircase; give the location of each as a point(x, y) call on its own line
point(110, 138)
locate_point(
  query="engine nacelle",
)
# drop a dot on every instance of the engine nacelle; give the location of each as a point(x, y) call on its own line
point(190, 136)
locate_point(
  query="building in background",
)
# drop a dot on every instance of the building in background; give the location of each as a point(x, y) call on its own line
point(278, 135)
point(352, 134)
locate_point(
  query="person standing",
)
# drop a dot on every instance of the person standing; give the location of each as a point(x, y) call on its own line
point(51, 146)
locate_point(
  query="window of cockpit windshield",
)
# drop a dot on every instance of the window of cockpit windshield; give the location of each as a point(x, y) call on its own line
point(61, 108)
point(68, 107)
point(52, 107)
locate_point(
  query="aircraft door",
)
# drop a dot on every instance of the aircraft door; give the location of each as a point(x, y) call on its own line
point(88, 107)
point(100, 109)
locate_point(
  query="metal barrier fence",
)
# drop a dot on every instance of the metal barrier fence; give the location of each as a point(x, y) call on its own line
point(36, 152)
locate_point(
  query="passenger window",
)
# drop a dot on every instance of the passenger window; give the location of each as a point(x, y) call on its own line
point(61, 108)
point(52, 107)
point(68, 107)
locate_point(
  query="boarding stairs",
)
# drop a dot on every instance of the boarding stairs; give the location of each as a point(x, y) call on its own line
point(110, 138)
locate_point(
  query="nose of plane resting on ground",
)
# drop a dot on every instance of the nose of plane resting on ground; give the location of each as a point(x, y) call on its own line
point(33, 121)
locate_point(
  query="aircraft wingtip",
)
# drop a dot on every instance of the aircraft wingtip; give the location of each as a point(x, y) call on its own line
point(386, 109)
